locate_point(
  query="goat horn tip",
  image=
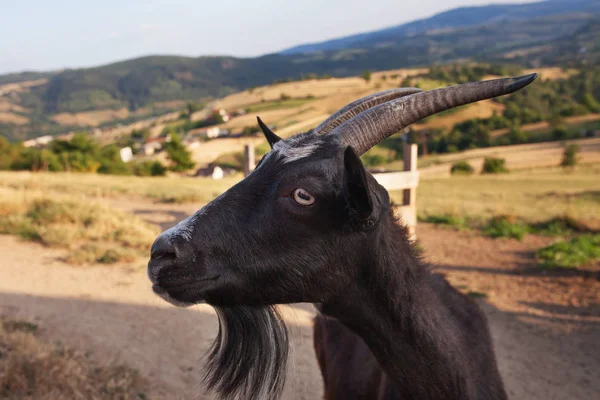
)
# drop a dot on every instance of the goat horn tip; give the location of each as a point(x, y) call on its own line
point(521, 81)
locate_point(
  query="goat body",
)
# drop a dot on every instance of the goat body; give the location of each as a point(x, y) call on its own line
point(407, 334)
point(310, 224)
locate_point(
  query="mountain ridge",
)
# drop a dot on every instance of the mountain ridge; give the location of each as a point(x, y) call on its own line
point(468, 16)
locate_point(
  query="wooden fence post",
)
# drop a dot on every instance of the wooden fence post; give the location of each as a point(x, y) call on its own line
point(249, 162)
point(410, 154)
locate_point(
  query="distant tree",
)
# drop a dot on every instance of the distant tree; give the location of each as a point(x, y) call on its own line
point(493, 166)
point(570, 155)
point(516, 135)
point(560, 133)
point(367, 75)
point(111, 162)
point(179, 156)
point(461, 167)
point(250, 131)
point(149, 168)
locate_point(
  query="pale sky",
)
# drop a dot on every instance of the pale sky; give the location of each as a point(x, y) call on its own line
point(46, 35)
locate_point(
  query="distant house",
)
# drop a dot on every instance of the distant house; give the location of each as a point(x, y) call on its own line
point(152, 145)
point(126, 154)
point(39, 141)
point(214, 171)
point(218, 173)
point(191, 144)
point(209, 133)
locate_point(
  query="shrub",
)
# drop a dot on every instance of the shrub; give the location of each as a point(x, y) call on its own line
point(560, 133)
point(149, 168)
point(366, 75)
point(373, 160)
point(461, 167)
point(570, 155)
point(178, 154)
point(92, 232)
point(505, 226)
point(459, 223)
point(572, 254)
point(493, 166)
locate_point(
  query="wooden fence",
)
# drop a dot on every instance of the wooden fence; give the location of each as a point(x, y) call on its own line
point(406, 180)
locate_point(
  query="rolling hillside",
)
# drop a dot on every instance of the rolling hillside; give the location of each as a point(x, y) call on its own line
point(34, 104)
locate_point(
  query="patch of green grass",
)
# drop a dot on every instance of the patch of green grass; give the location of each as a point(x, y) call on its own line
point(505, 226)
point(459, 223)
point(476, 295)
point(576, 252)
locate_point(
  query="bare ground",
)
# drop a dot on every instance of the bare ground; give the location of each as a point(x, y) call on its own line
point(546, 327)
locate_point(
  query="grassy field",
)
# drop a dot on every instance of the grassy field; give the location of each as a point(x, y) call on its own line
point(173, 189)
point(33, 368)
point(532, 195)
point(69, 210)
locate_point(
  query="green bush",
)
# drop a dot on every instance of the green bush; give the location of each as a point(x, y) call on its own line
point(505, 226)
point(570, 155)
point(572, 254)
point(149, 168)
point(373, 160)
point(180, 157)
point(459, 223)
point(493, 166)
point(461, 167)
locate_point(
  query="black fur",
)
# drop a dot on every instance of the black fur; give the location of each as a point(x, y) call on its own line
point(254, 247)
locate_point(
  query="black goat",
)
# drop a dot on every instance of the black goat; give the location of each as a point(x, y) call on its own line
point(311, 225)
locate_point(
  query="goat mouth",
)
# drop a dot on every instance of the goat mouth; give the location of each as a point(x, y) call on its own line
point(184, 294)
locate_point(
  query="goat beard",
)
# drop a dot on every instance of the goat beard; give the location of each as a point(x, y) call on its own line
point(248, 359)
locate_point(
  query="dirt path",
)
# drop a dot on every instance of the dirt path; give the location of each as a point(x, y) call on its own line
point(546, 328)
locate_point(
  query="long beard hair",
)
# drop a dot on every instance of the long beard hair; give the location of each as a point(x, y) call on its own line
point(248, 359)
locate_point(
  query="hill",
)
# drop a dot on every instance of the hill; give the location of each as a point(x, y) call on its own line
point(452, 19)
point(36, 103)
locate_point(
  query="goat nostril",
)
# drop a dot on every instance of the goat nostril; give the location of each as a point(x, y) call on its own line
point(162, 248)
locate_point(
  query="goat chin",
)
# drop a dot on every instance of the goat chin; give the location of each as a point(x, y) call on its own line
point(248, 359)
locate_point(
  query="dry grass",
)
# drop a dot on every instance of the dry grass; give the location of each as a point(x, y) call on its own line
point(173, 189)
point(6, 105)
point(482, 109)
point(15, 119)
point(539, 126)
point(518, 157)
point(551, 73)
point(33, 368)
point(22, 86)
point(92, 232)
point(531, 196)
point(90, 118)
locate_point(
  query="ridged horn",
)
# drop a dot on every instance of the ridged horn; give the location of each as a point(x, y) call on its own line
point(375, 124)
point(360, 105)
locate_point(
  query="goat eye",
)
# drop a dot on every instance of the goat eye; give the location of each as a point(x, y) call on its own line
point(303, 198)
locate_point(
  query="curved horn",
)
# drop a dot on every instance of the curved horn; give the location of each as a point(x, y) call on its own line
point(360, 105)
point(372, 126)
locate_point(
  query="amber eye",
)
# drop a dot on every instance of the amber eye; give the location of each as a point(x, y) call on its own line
point(303, 198)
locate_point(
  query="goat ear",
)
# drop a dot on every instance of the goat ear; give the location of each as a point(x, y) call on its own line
point(356, 187)
point(272, 138)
